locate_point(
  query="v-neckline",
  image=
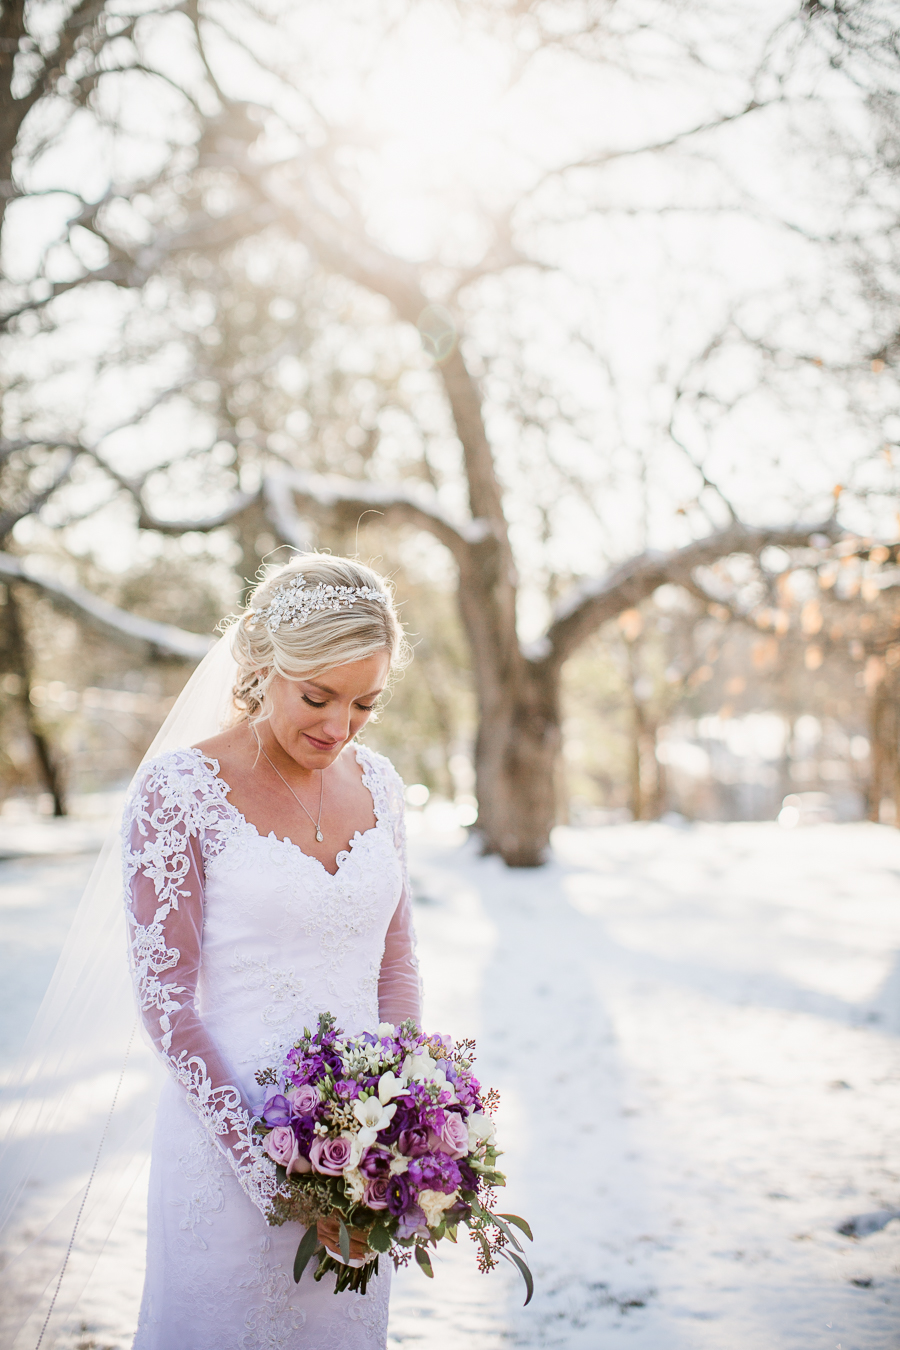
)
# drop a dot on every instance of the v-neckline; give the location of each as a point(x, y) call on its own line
point(343, 854)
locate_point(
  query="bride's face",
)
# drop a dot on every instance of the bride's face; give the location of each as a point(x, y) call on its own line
point(312, 720)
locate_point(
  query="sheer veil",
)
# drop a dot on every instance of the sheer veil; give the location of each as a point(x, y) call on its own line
point(77, 1114)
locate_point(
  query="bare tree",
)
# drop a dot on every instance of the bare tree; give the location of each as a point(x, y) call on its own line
point(225, 191)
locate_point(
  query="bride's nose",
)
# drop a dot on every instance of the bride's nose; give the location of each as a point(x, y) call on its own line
point(336, 726)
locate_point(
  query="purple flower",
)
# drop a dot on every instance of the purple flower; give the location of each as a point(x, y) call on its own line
point(413, 1222)
point(434, 1172)
point(376, 1193)
point(414, 1142)
point(467, 1178)
point(277, 1110)
point(376, 1162)
point(347, 1089)
point(330, 1156)
point(398, 1194)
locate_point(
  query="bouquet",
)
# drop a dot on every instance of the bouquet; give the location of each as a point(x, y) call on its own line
point(389, 1133)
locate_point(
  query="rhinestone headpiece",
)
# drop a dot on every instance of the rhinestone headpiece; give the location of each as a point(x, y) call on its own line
point(293, 603)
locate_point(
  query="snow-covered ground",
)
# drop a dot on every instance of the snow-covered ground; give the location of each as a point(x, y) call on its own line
point(695, 1033)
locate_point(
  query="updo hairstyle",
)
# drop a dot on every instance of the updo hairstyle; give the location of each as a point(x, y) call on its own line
point(327, 637)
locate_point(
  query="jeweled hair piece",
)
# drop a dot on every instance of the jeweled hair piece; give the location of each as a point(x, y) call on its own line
point(292, 604)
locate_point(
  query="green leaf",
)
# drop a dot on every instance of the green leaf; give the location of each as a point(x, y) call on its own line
point(309, 1245)
point(525, 1273)
point(451, 1234)
point(380, 1239)
point(343, 1238)
point(520, 1223)
point(424, 1261)
point(506, 1230)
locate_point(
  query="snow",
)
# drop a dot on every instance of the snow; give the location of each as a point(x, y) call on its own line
point(694, 1030)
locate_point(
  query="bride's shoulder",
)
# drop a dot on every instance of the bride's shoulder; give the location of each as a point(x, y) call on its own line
point(382, 780)
point(176, 775)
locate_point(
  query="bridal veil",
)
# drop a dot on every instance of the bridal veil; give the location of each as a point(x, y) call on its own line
point(78, 1110)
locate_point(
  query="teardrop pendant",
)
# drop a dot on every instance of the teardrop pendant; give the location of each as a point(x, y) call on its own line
point(319, 836)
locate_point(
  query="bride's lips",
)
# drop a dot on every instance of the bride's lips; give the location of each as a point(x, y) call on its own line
point(320, 745)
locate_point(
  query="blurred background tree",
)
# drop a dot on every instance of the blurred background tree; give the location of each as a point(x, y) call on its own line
point(570, 316)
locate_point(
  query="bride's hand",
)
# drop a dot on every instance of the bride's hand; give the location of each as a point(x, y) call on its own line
point(329, 1233)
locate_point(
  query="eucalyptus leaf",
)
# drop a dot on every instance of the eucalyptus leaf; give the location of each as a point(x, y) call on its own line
point(525, 1273)
point(309, 1245)
point(424, 1261)
point(520, 1223)
point(506, 1231)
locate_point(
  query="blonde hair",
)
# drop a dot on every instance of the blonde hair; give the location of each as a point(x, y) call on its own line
point(325, 639)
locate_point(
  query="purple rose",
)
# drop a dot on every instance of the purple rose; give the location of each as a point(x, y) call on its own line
point(304, 1100)
point(376, 1162)
point(376, 1193)
point(455, 1135)
point(398, 1194)
point(434, 1172)
point(467, 1177)
point(414, 1141)
point(277, 1110)
point(347, 1089)
point(330, 1156)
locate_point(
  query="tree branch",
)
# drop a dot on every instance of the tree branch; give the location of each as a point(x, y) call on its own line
point(162, 639)
point(593, 603)
point(406, 504)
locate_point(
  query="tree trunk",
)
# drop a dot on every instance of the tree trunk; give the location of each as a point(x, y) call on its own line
point(516, 767)
point(20, 660)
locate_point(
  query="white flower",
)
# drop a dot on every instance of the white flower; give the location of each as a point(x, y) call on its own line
point(418, 1067)
point(386, 1029)
point(433, 1203)
point(356, 1147)
point(373, 1116)
point(399, 1163)
point(389, 1086)
point(481, 1130)
point(355, 1183)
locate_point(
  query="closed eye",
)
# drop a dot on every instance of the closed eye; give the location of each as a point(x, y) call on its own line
point(312, 704)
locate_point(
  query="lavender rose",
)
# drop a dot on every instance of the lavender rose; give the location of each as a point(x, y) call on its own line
point(330, 1156)
point(454, 1137)
point(376, 1193)
point(304, 1100)
point(281, 1145)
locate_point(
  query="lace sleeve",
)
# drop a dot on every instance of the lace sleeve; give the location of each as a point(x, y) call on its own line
point(162, 832)
point(399, 986)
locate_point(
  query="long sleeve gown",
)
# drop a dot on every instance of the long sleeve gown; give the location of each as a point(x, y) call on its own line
point(238, 942)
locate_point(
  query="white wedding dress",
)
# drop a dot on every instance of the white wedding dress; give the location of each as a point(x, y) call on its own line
point(239, 942)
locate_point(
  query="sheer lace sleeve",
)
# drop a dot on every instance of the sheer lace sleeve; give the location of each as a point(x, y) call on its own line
point(173, 809)
point(399, 986)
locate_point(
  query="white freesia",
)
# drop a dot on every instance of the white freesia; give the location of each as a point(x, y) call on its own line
point(418, 1067)
point(390, 1086)
point(373, 1116)
point(433, 1204)
point(481, 1130)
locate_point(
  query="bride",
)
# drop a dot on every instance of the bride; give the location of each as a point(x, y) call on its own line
point(265, 882)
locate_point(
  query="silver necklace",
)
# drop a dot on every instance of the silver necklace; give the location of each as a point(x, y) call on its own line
point(316, 823)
